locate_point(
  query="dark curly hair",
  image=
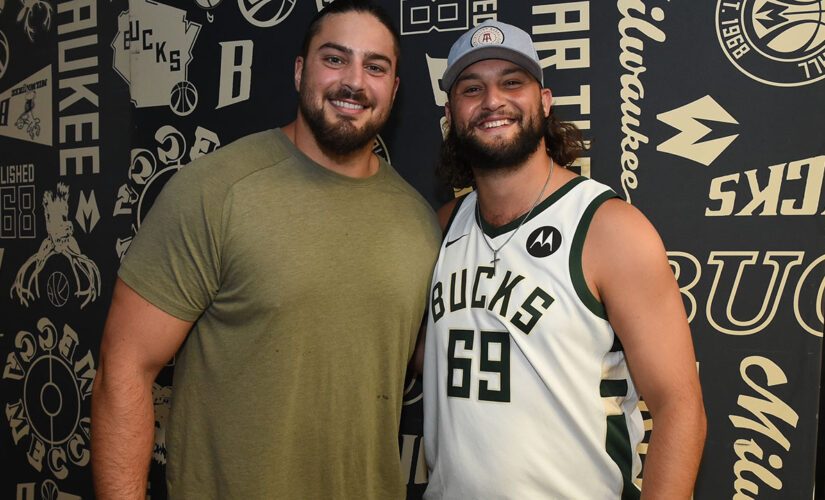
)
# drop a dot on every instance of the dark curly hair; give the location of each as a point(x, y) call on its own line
point(563, 140)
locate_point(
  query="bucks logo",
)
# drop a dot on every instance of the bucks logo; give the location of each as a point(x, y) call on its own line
point(775, 42)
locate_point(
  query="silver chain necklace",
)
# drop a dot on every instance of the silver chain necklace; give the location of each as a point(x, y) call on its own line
point(484, 236)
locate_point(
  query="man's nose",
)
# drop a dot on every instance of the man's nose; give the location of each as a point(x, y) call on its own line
point(353, 77)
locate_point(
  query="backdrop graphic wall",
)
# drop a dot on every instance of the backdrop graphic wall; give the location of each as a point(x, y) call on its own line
point(706, 115)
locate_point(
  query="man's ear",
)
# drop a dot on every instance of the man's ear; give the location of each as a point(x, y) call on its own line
point(395, 88)
point(447, 113)
point(299, 70)
point(546, 101)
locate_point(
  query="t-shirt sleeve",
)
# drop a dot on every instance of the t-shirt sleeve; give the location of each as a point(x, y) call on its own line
point(174, 260)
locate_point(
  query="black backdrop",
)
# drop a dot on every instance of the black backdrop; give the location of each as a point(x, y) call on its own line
point(707, 115)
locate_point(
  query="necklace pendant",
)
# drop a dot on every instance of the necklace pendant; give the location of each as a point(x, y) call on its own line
point(524, 219)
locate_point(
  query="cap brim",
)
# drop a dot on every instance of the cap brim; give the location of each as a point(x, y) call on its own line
point(489, 52)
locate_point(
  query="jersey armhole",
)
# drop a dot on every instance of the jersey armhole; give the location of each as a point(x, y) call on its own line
point(576, 270)
point(458, 203)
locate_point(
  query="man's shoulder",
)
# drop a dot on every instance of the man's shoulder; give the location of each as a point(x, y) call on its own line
point(621, 233)
point(585, 186)
point(213, 175)
point(398, 182)
point(409, 200)
point(244, 155)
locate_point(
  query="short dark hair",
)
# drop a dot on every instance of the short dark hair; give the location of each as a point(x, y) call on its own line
point(344, 6)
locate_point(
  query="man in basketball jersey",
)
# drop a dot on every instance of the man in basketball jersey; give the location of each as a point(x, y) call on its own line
point(552, 307)
point(294, 263)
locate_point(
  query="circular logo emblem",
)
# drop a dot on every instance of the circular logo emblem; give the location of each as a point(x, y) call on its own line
point(46, 417)
point(265, 13)
point(775, 42)
point(52, 399)
point(487, 35)
point(4, 54)
point(412, 391)
point(380, 149)
point(152, 189)
point(543, 241)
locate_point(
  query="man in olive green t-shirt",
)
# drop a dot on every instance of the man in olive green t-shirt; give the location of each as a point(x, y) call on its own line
point(289, 270)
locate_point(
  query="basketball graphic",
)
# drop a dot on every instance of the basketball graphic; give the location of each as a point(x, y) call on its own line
point(57, 289)
point(265, 13)
point(49, 489)
point(183, 98)
point(208, 5)
point(775, 42)
point(787, 30)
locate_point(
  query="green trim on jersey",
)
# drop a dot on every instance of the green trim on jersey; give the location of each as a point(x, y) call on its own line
point(613, 387)
point(576, 248)
point(492, 232)
point(452, 214)
point(617, 445)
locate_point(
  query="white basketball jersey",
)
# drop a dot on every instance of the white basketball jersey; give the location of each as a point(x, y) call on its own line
point(527, 394)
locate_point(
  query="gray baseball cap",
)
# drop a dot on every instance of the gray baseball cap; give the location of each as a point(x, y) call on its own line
point(491, 40)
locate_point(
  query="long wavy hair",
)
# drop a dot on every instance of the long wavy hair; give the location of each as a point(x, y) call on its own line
point(563, 141)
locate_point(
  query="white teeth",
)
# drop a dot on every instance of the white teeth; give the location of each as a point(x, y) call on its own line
point(347, 105)
point(497, 123)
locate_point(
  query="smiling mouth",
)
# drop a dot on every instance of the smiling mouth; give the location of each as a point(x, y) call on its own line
point(347, 105)
point(496, 123)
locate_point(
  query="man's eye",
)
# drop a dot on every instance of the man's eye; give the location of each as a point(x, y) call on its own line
point(334, 60)
point(375, 68)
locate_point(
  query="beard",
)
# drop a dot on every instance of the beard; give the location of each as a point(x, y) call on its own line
point(499, 154)
point(341, 137)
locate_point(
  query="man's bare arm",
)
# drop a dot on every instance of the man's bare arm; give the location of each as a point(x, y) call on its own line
point(138, 340)
point(626, 265)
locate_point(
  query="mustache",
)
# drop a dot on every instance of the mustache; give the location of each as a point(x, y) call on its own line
point(347, 94)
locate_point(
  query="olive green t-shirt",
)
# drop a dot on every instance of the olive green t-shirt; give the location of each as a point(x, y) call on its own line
point(307, 289)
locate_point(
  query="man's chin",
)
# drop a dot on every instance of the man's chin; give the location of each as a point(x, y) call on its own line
point(501, 155)
point(339, 135)
point(339, 143)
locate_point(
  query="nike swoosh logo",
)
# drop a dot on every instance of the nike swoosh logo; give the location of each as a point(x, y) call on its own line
point(453, 241)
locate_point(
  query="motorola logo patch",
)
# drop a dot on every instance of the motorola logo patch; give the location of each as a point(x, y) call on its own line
point(543, 241)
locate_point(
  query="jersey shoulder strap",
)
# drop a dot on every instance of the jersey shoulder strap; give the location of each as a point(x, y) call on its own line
point(458, 203)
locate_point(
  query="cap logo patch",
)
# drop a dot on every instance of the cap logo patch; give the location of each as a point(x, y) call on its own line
point(486, 36)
